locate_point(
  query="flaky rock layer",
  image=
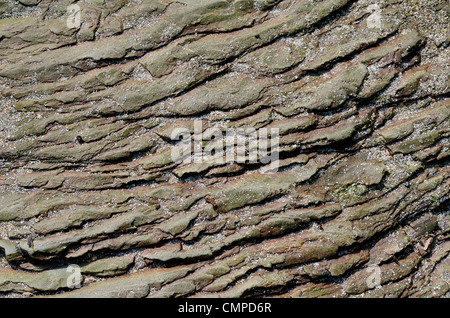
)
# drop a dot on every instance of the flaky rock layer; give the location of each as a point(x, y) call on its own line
point(358, 204)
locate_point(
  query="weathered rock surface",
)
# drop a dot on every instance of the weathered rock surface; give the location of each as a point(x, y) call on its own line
point(359, 93)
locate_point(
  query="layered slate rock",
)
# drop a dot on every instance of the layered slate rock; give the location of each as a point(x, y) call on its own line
point(357, 90)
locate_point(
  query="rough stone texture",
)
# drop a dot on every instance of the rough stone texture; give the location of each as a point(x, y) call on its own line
point(87, 177)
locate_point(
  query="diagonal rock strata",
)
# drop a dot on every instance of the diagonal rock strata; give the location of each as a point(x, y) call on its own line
point(349, 98)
